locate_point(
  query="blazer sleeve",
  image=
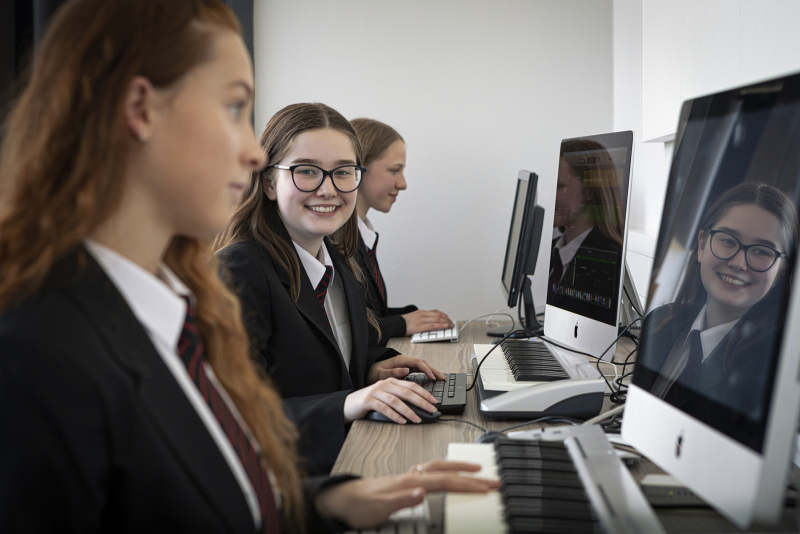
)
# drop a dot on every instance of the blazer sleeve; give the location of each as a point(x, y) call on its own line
point(320, 418)
point(391, 326)
point(401, 311)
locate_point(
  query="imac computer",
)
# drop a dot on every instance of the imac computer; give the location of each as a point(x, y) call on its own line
point(587, 252)
point(715, 397)
point(522, 252)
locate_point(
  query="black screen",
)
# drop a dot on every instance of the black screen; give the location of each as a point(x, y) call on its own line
point(733, 189)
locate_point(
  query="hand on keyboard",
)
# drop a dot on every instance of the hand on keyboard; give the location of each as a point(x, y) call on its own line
point(399, 367)
point(426, 320)
point(369, 502)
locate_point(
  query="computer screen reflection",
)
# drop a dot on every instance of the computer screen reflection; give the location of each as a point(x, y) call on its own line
point(587, 229)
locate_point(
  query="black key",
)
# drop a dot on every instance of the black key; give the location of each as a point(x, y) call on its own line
point(541, 465)
point(532, 507)
point(545, 492)
point(528, 525)
point(541, 478)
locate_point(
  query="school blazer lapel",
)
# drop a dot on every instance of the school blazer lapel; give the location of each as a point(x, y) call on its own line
point(374, 293)
point(173, 416)
point(356, 309)
point(308, 305)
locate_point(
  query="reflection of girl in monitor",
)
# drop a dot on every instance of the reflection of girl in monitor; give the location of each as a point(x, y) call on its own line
point(588, 223)
point(715, 338)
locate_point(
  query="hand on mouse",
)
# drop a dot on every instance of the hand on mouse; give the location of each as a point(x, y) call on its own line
point(425, 321)
point(399, 367)
point(386, 397)
point(368, 502)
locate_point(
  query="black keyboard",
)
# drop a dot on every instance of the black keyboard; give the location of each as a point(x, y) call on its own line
point(541, 489)
point(532, 361)
point(450, 393)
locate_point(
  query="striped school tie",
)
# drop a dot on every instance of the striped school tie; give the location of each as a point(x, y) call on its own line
point(322, 287)
point(376, 273)
point(193, 356)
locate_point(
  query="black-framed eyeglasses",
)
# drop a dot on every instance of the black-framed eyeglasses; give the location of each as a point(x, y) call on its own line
point(759, 258)
point(308, 178)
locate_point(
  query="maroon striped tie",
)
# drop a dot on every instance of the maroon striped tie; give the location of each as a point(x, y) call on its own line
point(193, 355)
point(322, 287)
point(376, 273)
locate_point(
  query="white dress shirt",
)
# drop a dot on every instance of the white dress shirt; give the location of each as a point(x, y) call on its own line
point(368, 233)
point(679, 355)
point(335, 301)
point(156, 302)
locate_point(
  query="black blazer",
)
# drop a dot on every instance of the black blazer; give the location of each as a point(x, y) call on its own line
point(739, 386)
point(296, 346)
point(390, 320)
point(95, 433)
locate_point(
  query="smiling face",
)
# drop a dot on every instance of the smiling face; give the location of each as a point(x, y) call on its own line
point(309, 217)
point(384, 179)
point(202, 147)
point(733, 288)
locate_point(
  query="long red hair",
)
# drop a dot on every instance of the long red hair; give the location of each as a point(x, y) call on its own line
point(60, 178)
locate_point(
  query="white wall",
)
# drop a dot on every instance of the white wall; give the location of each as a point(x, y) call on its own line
point(668, 51)
point(478, 89)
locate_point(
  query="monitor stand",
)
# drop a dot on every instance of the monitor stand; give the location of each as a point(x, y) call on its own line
point(532, 326)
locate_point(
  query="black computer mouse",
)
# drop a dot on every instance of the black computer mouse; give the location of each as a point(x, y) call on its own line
point(489, 437)
point(426, 416)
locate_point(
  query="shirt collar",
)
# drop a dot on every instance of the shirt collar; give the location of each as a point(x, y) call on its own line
point(709, 337)
point(368, 233)
point(155, 300)
point(315, 267)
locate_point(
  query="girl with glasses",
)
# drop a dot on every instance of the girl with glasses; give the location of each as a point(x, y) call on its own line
point(128, 400)
point(716, 335)
point(385, 162)
point(290, 248)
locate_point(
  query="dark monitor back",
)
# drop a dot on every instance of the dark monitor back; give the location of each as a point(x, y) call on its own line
point(518, 249)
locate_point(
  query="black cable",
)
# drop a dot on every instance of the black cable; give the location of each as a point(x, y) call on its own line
point(477, 369)
point(549, 418)
point(465, 422)
point(625, 289)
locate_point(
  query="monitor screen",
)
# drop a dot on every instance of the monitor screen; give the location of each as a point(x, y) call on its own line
point(518, 235)
point(721, 277)
point(587, 249)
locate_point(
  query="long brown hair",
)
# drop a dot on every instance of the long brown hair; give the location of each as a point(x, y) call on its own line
point(59, 180)
point(375, 137)
point(255, 217)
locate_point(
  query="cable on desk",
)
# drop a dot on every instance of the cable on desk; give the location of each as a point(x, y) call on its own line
point(546, 418)
point(489, 316)
point(598, 359)
point(478, 368)
point(465, 422)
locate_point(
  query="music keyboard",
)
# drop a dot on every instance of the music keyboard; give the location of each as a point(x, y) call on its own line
point(532, 378)
point(578, 485)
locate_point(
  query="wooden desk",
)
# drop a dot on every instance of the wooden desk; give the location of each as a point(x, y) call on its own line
point(375, 449)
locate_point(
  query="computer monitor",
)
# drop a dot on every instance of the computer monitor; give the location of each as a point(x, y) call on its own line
point(522, 251)
point(587, 251)
point(718, 410)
